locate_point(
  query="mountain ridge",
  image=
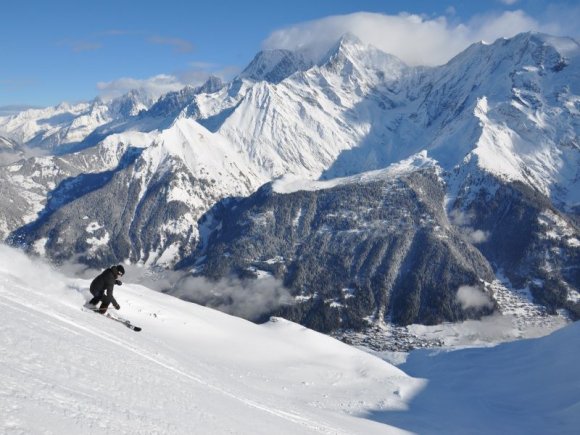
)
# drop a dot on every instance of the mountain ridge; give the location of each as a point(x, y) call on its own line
point(501, 121)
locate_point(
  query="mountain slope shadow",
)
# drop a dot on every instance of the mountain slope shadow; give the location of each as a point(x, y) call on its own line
point(521, 387)
point(214, 122)
point(393, 134)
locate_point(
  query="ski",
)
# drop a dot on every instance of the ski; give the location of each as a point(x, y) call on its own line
point(125, 322)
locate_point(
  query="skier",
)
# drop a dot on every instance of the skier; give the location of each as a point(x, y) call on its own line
point(102, 289)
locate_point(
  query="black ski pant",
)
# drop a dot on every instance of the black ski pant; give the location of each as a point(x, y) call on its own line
point(100, 296)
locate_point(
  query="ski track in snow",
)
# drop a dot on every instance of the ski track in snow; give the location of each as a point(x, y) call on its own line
point(128, 346)
point(190, 371)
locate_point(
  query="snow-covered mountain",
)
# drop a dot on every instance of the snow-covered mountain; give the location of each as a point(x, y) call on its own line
point(341, 245)
point(500, 121)
point(275, 65)
point(192, 370)
point(518, 95)
point(381, 247)
point(301, 124)
point(10, 151)
point(528, 116)
point(139, 192)
point(7, 145)
point(63, 127)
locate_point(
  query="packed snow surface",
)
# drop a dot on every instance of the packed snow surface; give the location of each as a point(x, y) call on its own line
point(195, 370)
point(190, 370)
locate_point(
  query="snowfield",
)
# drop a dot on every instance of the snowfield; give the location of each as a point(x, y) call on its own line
point(195, 370)
point(191, 370)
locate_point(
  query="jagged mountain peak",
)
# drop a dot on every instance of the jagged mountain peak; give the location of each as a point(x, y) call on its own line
point(274, 65)
point(350, 54)
point(561, 43)
point(546, 52)
point(172, 103)
point(529, 50)
point(212, 84)
point(526, 116)
point(346, 41)
point(131, 103)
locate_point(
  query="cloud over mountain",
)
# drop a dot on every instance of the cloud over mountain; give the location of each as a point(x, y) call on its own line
point(416, 39)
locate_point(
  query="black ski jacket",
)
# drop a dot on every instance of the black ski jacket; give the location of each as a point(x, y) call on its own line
point(104, 282)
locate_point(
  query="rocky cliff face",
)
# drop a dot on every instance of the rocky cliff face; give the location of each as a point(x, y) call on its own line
point(526, 239)
point(355, 253)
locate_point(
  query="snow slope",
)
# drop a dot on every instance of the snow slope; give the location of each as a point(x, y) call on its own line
point(191, 369)
point(523, 387)
point(195, 370)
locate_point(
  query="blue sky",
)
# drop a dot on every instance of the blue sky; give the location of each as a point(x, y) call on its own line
point(61, 50)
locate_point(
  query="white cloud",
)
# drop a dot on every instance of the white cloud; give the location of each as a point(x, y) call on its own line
point(509, 2)
point(490, 27)
point(80, 46)
point(179, 45)
point(563, 20)
point(463, 221)
point(248, 299)
point(199, 72)
point(461, 218)
point(478, 236)
point(472, 297)
point(415, 39)
point(153, 87)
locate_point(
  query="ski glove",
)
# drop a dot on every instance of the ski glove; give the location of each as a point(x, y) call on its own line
point(118, 282)
point(117, 307)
